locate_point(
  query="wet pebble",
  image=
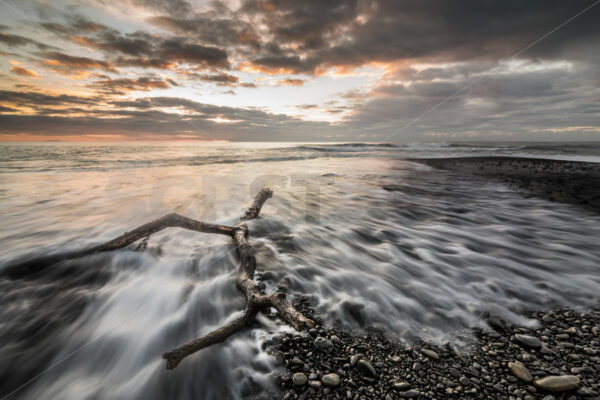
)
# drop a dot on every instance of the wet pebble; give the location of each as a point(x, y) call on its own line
point(299, 379)
point(366, 367)
point(520, 372)
point(409, 394)
point(560, 383)
point(332, 380)
point(430, 353)
point(528, 341)
point(323, 344)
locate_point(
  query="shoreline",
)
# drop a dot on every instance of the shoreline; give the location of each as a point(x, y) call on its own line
point(506, 361)
point(570, 182)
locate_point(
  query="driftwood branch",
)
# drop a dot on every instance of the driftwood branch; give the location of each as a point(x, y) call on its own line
point(172, 220)
point(255, 301)
point(168, 221)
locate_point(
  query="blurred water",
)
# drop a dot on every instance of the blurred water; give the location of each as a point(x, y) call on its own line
point(369, 236)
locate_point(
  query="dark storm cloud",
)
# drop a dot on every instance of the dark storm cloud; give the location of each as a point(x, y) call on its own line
point(178, 50)
point(339, 33)
point(142, 62)
point(225, 79)
point(302, 36)
point(217, 25)
point(287, 64)
point(16, 40)
point(142, 49)
point(69, 64)
point(74, 24)
point(213, 30)
point(133, 44)
point(305, 36)
point(305, 22)
point(139, 48)
point(39, 100)
point(123, 85)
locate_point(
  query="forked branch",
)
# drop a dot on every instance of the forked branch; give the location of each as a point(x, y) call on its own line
point(255, 301)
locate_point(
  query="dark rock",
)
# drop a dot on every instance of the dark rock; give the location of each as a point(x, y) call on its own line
point(331, 380)
point(401, 386)
point(366, 367)
point(560, 383)
point(528, 341)
point(409, 394)
point(520, 371)
point(323, 344)
point(430, 353)
point(299, 379)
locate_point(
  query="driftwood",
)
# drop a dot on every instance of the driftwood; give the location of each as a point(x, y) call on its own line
point(172, 220)
point(255, 301)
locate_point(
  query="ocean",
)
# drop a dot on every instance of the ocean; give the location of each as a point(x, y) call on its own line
point(426, 259)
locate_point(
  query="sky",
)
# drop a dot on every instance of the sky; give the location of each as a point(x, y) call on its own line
point(290, 70)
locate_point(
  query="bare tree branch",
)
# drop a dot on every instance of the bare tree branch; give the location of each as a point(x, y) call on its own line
point(174, 357)
point(168, 221)
point(255, 301)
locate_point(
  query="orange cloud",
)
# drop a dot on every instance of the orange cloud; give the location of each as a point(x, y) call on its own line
point(23, 72)
point(291, 82)
point(74, 65)
point(251, 67)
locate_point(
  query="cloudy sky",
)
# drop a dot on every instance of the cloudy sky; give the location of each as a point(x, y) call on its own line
point(290, 70)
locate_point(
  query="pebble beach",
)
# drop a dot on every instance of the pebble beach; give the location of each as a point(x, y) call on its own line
point(558, 359)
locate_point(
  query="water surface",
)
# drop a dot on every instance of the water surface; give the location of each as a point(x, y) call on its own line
point(368, 235)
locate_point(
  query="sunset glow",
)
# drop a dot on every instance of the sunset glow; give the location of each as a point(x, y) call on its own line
point(75, 70)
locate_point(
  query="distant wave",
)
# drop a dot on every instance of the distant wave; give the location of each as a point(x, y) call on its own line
point(347, 147)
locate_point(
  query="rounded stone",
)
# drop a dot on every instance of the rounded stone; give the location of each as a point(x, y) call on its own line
point(330, 380)
point(299, 379)
point(354, 359)
point(557, 383)
point(430, 354)
point(410, 394)
point(323, 344)
point(520, 372)
point(364, 366)
point(528, 341)
point(401, 386)
point(314, 384)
